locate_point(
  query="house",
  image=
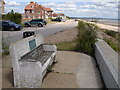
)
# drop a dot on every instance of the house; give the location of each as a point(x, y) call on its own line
point(35, 11)
point(2, 3)
point(62, 15)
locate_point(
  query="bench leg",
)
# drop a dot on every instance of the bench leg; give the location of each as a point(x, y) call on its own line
point(54, 59)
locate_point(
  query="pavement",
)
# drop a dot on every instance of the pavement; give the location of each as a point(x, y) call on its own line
point(72, 70)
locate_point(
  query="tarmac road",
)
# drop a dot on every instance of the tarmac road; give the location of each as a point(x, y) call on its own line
point(49, 29)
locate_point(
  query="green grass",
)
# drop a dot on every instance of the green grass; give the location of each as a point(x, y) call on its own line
point(112, 44)
point(67, 46)
point(111, 33)
point(5, 50)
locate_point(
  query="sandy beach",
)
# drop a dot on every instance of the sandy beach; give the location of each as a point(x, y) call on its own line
point(113, 28)
point(105, 26)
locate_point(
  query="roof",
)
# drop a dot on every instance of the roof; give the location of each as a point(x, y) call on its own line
point(3, 2)
point(59, 14)
point(29, 6)
point(55, 15)
point(46, 9)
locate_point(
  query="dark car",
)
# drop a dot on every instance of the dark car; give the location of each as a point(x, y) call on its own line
point(57, 19)
point(10, 26)
point(76, 20)
point(36, 22)
point(28, 33)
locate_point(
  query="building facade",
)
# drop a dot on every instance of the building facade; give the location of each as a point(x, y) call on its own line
point(61, 15)
point(36, 11)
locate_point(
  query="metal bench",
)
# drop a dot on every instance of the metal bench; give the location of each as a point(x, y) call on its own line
point(31, 59)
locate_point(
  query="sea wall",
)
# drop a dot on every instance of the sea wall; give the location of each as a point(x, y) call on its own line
point(107, 60)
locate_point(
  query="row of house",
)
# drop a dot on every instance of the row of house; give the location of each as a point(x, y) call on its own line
point(35, 11)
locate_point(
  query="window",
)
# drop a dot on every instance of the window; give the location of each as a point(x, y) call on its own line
point(46, 16)
point(42, 11)
point(42, 16)
point(26, 16)
point(28, 11)
point(40, 20)
point(5, 23)
point(32, 11)
point(33, 17)
point(32, 6)
point(38, 12)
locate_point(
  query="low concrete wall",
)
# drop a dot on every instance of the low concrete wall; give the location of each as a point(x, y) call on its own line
point(107, 60)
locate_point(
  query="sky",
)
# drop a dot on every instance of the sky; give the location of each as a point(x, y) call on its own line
point(72, 8)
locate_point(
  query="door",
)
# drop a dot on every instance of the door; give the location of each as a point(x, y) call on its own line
point(6, 26)
point(33, 23)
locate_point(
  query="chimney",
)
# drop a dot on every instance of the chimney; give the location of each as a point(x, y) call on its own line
point(31, 2)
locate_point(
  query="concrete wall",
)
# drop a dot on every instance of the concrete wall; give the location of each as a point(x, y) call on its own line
point(107, 60)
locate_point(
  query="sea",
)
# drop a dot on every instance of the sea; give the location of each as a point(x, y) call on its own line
point(106, 21)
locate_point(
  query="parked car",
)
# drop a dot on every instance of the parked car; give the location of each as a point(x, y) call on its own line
point(10, 26)
point(57, 19)
point(28, 33)
point(36, 22)
point(63, 20)
point(76, 20)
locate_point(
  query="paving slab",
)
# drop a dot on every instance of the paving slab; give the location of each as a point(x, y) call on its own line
point(88, 75)
point(7, 78)
point(73, 70)
point(59, 80)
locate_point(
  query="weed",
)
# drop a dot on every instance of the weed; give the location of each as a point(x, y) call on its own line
point(86, 37)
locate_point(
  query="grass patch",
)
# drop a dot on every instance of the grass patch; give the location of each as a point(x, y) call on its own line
point(112, 44)
point(111, 33)
point(5, 50)
point(67, 46)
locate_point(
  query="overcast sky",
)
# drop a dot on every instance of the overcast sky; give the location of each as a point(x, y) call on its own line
point(78, 8)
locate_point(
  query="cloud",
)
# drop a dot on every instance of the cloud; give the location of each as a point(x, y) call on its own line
point(13, 3)
point(60, 5)
point(65, 0)
point(79, 9)
point(88, 6)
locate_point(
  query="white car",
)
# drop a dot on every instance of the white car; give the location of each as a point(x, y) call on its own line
point(63, 20)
